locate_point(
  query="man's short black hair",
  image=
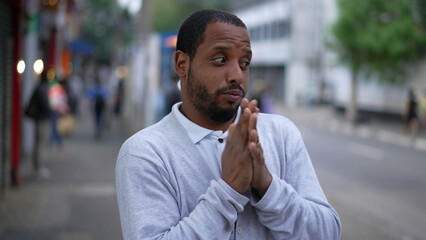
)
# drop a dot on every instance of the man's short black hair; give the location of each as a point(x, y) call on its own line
point(191, 33)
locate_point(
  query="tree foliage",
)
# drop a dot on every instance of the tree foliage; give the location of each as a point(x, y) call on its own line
point(168, 15)
point(107, 27)
point(381, 37)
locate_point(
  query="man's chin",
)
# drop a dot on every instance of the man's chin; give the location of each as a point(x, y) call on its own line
point(224, 114)
point(229, 105)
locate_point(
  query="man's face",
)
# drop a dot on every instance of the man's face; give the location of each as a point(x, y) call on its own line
point(218, 74)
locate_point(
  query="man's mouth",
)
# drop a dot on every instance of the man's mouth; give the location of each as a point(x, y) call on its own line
point(233, 95)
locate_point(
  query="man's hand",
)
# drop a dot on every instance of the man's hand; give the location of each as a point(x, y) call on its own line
point(261, 176)
point(242, 160)
point(237, 163)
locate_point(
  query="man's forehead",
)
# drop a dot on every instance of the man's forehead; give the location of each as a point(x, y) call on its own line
point(223, 27)
point(220, 35)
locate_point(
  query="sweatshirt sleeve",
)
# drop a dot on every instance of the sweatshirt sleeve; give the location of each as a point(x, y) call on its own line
point(149, 209)
point(294, 206)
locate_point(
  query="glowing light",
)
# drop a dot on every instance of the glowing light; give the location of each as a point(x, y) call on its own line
point(38, 66)
point(171, 41)
point(20, 67)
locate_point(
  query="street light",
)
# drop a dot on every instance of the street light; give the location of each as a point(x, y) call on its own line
point(38, 66)
point(20, 67)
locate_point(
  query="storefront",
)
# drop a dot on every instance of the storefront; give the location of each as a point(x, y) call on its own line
point(7, 46)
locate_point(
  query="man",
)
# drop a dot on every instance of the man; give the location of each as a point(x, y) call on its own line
point(215, 168)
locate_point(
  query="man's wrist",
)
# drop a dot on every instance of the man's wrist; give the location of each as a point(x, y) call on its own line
point(261, 190)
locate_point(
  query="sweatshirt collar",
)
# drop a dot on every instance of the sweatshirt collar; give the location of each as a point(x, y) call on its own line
point(196, 132)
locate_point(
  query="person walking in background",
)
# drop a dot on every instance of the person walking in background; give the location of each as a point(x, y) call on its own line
point(411, 117)
point(38, 109)
point(59, 104)
point(422, 109)
point(98, 96)
point(263, 97)
point(214, 167)
point(119, 97)
point(75, 90)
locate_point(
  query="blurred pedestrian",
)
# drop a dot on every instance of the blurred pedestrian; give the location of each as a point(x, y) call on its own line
point(58, 100)
point(98, 96)
point(119, 97)
point(263, 96)
point(422, 109)
point(411, 117)
point(75, 92)
point(214, 167)
point(38, 109)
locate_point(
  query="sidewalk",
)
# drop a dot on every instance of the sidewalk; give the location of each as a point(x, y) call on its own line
point(324, 117)
point(74, 197)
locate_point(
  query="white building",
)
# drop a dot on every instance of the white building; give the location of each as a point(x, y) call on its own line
point(287, 47)
point(290, 54)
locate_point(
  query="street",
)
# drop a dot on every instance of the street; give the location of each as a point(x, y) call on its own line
point(77, 201)
point(378, 189)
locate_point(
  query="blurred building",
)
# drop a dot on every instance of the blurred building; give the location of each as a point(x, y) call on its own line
point(30, 30)
point(290, 54)
point(287, 47)
point(8, 76)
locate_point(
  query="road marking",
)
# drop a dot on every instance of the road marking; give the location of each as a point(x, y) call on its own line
point(96, 190)
point(75, 236)
point(420, 144)
point(366, 151)
point(364, 132)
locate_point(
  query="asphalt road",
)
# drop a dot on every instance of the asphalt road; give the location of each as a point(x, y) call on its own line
point(378, 189)
point(74, 199)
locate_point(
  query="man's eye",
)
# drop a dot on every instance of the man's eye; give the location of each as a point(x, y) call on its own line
point(219, 60)
point(245, 64)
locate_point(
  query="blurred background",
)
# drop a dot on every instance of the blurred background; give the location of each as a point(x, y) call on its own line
point(79, 77)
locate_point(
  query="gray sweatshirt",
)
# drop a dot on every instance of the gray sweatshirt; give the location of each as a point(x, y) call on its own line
point(167, 191)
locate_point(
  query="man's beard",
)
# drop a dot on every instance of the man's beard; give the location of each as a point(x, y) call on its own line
point(207, 104)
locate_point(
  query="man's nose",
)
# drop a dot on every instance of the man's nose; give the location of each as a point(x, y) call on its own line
point(235, 74)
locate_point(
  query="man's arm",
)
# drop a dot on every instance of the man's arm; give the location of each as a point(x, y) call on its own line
point(149, 208)
point(295, 207)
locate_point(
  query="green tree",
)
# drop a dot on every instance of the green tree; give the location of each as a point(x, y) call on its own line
point(168, 15)
point(381, 38)
point(107, 27)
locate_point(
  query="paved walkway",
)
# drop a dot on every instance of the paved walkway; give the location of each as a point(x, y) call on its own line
point(323, 117)
point(74, 196)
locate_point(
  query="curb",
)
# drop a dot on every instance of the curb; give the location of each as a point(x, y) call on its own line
point(321, 118)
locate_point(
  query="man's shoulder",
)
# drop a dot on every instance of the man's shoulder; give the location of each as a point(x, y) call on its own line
point(160, 134)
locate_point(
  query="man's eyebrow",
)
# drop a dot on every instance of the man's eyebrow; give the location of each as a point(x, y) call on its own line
point(224, 48)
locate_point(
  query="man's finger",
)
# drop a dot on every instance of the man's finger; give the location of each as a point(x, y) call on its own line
point(252, 105)
point(243, 126)
point(252, 122)
point(244, 103)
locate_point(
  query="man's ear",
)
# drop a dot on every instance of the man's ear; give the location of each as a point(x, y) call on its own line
point(181, 64)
